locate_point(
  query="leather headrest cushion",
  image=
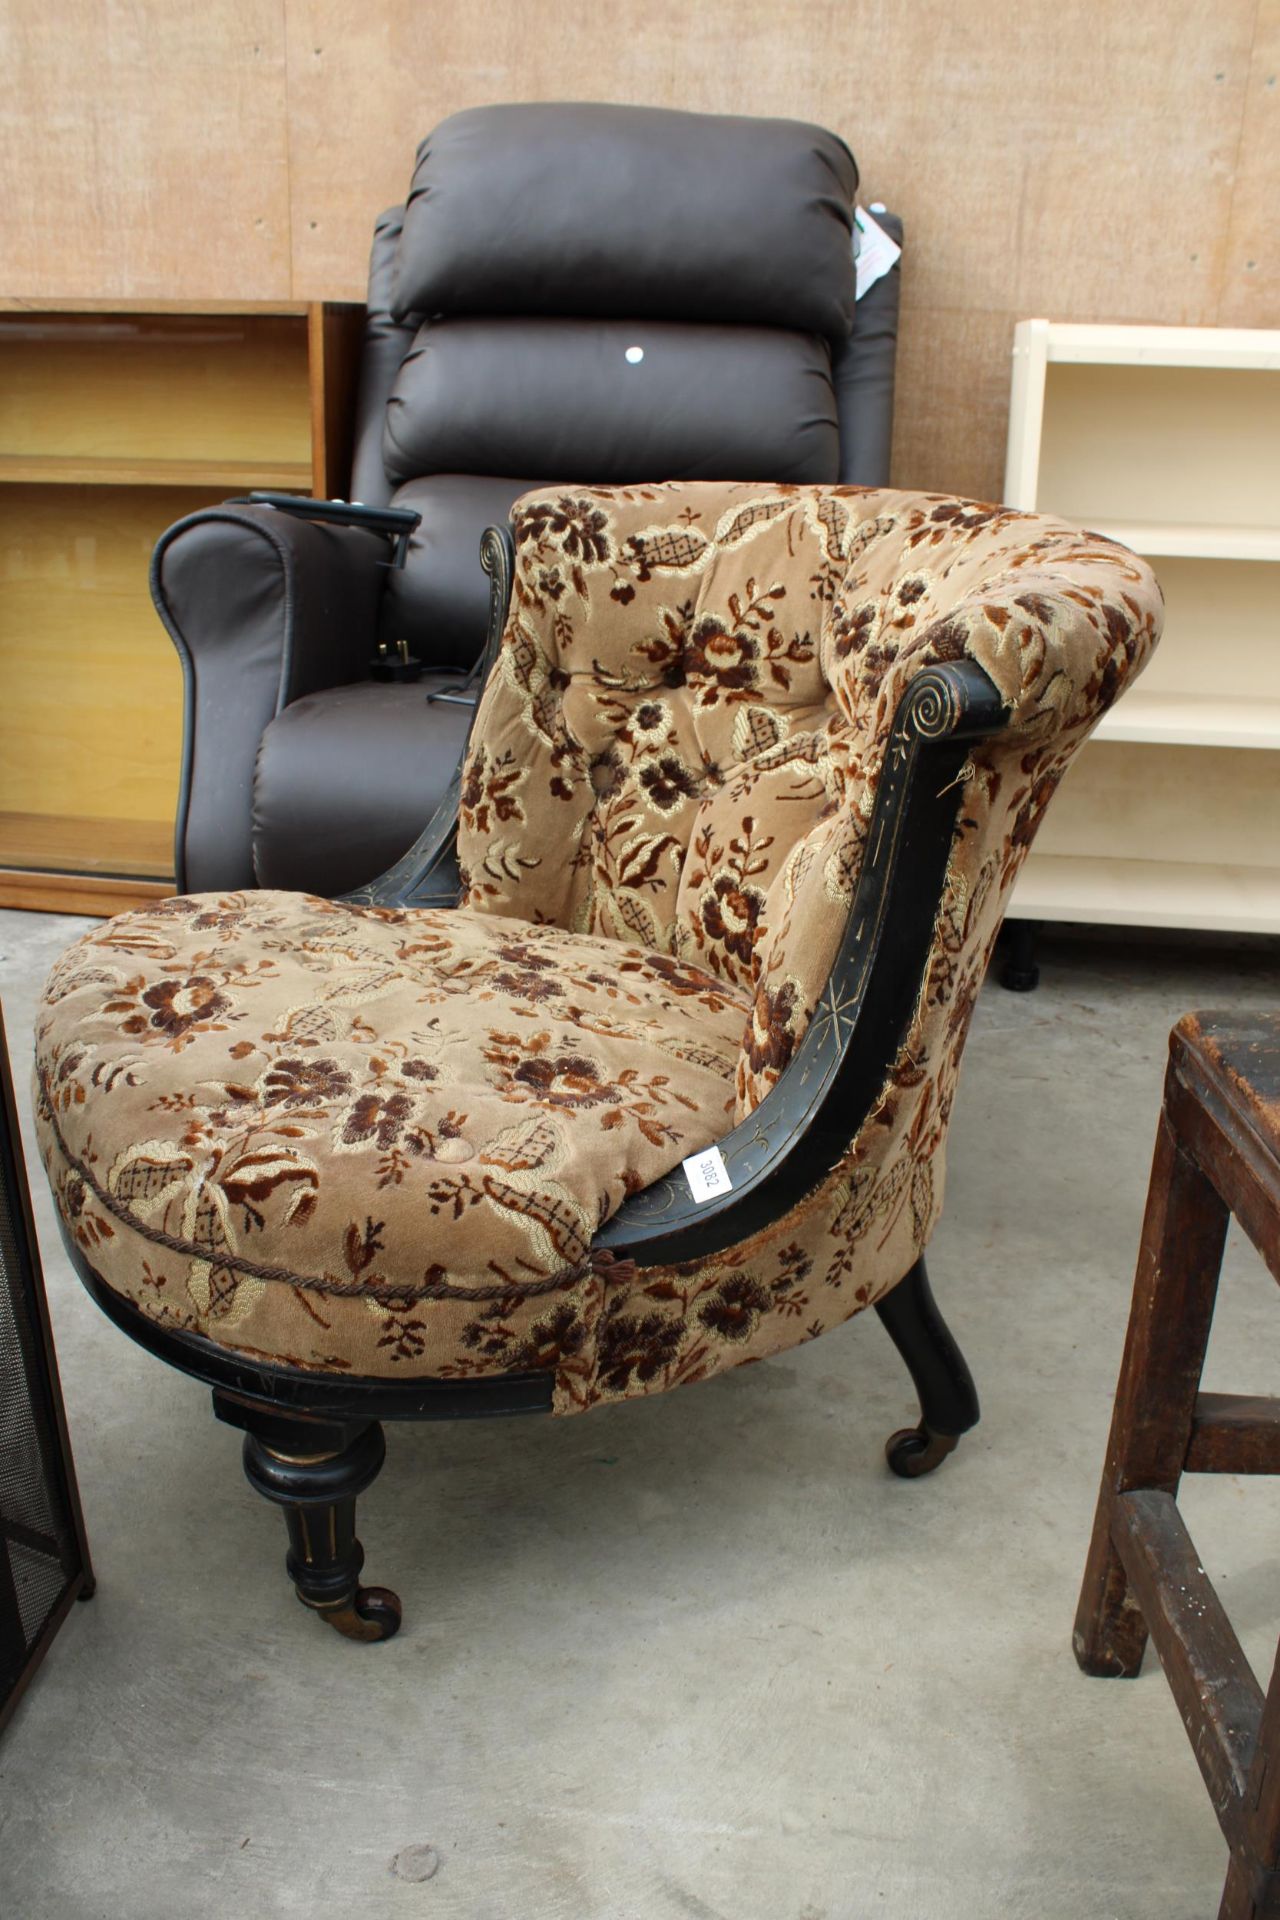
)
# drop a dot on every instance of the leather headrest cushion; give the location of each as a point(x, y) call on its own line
point(631, 212)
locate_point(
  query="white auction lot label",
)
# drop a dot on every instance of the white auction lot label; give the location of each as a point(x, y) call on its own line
point(707, 1174)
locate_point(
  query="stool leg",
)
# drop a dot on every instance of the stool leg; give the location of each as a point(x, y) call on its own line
point(1173, 1300)
point(1252, 1891)
point(1237, 1895)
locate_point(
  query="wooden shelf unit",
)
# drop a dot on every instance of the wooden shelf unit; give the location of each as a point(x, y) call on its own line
point(71, 470)
point(1165, 438)
point(115, 420)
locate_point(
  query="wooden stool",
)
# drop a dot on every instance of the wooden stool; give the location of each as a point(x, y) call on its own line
point(1217, 1154)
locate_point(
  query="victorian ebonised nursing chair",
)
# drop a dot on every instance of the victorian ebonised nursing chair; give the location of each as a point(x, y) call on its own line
point(751, 778)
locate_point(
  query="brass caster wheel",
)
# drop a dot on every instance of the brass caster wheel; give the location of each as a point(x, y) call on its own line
point(372, 1613)
point(914, 1451)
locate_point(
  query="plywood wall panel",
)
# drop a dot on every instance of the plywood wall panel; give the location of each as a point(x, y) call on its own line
point(1048, 156)
point(1250, 295)
point(953, 388)
point(1060, 157)
point(143, 149)
point(1054, 155)
point(364, 88)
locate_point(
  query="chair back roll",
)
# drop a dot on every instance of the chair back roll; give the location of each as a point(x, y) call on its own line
point(636, 212)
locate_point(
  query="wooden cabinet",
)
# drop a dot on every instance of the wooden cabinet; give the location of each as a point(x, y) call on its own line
point(1167, 438)
point(115, 420)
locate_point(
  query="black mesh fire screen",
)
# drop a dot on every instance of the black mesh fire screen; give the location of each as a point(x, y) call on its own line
point(44, 1561)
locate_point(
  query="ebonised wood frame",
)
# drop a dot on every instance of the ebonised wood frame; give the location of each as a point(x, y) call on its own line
point(313, 1441)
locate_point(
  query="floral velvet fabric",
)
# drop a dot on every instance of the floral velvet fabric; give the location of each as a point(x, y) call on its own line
point(380, 1142)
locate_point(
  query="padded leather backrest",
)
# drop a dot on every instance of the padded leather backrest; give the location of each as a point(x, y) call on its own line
point(449, 399)
point(631, 212)
point(621, 400)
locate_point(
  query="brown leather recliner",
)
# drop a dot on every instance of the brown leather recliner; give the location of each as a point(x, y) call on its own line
point(578, 293)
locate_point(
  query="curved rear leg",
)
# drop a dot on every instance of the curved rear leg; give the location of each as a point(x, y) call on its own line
point(948, 1398)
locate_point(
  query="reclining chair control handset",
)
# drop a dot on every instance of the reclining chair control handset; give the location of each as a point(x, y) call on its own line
point(397, 523)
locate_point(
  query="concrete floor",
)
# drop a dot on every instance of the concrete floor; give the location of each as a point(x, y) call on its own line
point(700, 1656)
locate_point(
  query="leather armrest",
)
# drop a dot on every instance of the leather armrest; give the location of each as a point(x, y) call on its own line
point(262, 608)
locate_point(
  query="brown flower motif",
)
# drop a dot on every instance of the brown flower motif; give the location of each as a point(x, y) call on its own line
point(649, 723)
point(379, 1117)
point(578, 527)
point(520, 954)
point(770, 1039)
point(854, 628)
point(488, 1333)
point(304, 1083)
point(420, 1070)
point(681, 979)
point(557, 1336)
point(490, 785)
point(636, 1345)
point(734, 1308)
point(570, 1081)
point(716, 654)
point(179, 1005)
point(524, 985)
point(667, 781)
point(472, 782)
point(966, 516)
point(528, 975)
point(732, 914)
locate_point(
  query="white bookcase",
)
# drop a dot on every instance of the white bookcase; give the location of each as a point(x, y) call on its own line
point(1167, 438)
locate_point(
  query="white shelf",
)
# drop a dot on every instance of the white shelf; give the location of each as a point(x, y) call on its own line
point(1106, 424)
point(1226, 347)
point(1174, 539)
point(1192, 720)
point(1147, 893)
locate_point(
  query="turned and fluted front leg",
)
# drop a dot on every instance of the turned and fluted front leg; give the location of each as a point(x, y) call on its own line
point(315, 1470)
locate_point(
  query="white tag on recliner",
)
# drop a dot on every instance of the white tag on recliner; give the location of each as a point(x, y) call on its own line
point(875, 252)
point(707, 1174)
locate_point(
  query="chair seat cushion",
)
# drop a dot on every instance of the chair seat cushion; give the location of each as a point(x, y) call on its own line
point(367, 1141)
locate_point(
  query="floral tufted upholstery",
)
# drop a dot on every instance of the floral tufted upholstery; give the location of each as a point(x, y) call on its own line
point(380, 1142)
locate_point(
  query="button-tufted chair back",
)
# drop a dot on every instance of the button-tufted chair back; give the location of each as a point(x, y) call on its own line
point(681, 738)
